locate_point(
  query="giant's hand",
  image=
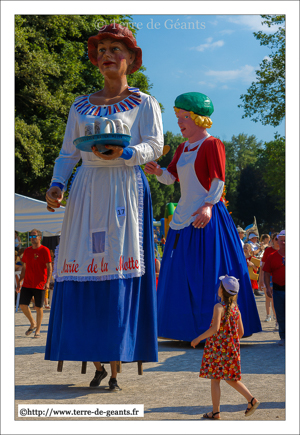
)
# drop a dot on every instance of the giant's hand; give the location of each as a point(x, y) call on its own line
point(203, 214)
point(54, 196)
point(114, 153)
point(153, 168)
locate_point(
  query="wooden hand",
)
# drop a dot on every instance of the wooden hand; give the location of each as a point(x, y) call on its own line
point(114, 152)
point(54, 196)
point(153, 168)
point(203, 214)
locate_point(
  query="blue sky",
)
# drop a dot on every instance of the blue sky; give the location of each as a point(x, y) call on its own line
point(213, 54)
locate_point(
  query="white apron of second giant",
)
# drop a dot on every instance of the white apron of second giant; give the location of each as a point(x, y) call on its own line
point(193, 194)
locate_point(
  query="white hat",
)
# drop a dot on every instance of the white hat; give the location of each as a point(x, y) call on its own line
point(281, 234)
point(231, 284)
point(252, 235)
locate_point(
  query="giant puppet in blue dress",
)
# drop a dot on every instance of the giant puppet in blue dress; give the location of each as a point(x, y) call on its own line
point(104, 301)
point(202, 243)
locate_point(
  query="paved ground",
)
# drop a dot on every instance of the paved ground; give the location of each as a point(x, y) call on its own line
point(170, 389)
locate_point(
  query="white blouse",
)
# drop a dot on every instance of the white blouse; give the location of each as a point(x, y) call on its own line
point(141, 112)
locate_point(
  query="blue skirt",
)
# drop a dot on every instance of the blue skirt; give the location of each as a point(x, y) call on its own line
point(107, 320)
point(192, 263)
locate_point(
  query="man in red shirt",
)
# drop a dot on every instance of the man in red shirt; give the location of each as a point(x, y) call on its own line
point(36, 272)
point(275, 266)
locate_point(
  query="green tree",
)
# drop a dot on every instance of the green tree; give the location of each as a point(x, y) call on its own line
point(51, 69)
point(272, 157)
point(255, 199)
point(241, 152)
point(265, 99)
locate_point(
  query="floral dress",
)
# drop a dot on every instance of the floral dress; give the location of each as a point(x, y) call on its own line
point(221, 356)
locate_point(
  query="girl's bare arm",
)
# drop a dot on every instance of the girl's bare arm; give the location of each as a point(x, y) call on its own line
point(218, 311)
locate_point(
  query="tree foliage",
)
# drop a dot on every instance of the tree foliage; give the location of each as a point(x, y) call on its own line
point(273, 171)
point(265, 99)
point(241, 152)
point(254, 198)
point(254, 181)
point(51, 69)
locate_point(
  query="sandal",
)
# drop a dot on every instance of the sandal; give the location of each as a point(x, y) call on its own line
point(37, 336)
point(212, 416)
point(30, 330)
point(250, 411)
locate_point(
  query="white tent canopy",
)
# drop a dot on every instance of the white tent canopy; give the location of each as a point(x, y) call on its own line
point(31, 213)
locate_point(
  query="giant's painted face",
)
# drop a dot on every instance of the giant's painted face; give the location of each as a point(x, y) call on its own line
point(113, 57)
point(186, 124)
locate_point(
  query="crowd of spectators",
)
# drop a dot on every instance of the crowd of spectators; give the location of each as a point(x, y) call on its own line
point(266, 265)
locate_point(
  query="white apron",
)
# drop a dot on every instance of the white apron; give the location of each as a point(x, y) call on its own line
point(101, 236)
point(193, 194)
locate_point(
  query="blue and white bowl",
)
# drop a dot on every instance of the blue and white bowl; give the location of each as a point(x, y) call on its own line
point(85, 143)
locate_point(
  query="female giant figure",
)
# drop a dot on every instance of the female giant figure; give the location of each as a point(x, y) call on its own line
point(202, 243)
point(104, 302)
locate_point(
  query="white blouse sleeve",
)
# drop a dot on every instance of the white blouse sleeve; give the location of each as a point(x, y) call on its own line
point(69, 155)
point(215, 191)
point(166, 177)
point(151, 133)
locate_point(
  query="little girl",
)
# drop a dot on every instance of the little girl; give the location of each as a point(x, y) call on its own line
point(221, 356)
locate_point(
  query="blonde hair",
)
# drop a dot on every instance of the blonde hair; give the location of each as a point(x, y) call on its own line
point(201, 121)
point(229, 300)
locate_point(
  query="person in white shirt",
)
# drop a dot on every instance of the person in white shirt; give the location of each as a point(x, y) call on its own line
point(253, 242)
point(241, 234)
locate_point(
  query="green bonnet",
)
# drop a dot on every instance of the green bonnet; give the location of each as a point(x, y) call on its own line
point(195, 102)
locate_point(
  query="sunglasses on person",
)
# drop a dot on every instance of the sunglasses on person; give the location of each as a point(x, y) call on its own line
point(33, 237)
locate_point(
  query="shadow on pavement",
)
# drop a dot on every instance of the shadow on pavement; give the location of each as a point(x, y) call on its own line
point(56, 392)
point(195, 410)
point(29, 350)
point(267, 351)
point(173, 345)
